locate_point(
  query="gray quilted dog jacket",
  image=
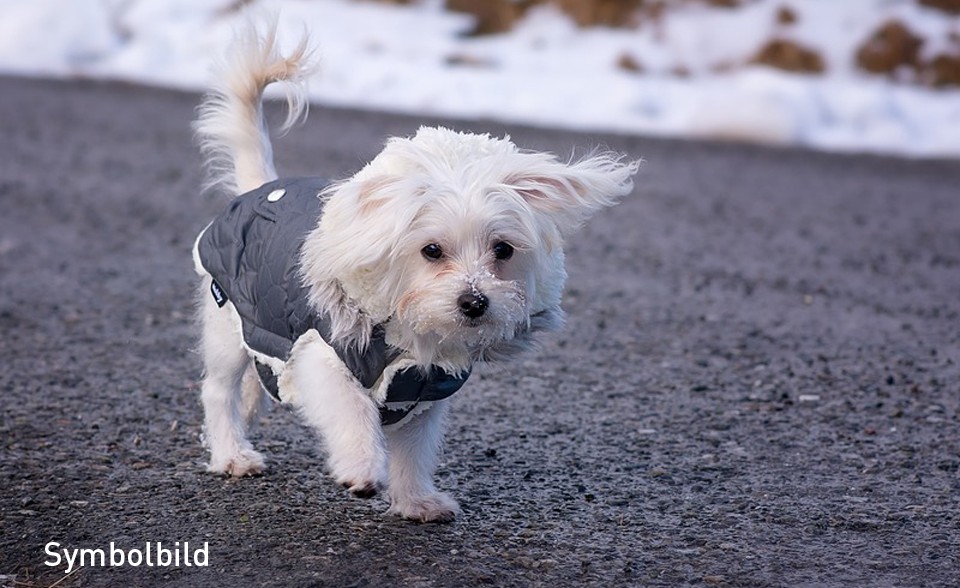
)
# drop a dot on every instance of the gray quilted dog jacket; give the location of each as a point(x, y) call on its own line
point(252, 251)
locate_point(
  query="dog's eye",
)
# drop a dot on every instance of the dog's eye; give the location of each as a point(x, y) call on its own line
point(503, 250)
point(432, 251)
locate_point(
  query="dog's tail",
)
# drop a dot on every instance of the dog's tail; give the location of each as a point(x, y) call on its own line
point(230, 127)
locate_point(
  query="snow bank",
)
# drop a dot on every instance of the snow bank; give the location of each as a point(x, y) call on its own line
point(689, 77)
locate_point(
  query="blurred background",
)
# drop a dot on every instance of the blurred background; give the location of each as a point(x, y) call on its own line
point(852, 75)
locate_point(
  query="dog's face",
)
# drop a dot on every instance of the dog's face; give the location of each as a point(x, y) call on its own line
point(454, 242)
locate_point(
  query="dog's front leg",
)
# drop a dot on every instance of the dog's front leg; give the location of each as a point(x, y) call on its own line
point(414, 452)
point(342, 411)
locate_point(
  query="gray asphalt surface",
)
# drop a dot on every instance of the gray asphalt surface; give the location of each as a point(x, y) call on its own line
point(758, 385)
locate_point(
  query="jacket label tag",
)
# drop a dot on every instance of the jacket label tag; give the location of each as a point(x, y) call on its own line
point(218, 294)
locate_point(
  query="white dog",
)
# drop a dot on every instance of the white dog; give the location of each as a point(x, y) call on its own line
point(365, 302)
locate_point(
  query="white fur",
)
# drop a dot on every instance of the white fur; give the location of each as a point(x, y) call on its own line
point(230, 128)
point(225, 422)
point(364, 265)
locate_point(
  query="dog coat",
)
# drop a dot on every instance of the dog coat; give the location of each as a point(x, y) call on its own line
point(252, 252)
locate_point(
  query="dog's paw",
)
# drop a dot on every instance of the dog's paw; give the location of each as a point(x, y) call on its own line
point(432, 508)
point(362, 489)
point(361, 484)
point(245, 462)
point(363, 477)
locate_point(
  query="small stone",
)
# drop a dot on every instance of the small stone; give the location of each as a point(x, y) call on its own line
point(629, 63)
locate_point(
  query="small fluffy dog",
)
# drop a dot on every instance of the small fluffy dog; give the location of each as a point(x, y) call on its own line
point(365, 302)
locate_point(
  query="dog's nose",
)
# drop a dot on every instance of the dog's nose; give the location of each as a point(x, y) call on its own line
point(473, 304)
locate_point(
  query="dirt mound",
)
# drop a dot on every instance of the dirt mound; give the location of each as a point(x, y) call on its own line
point(942, 71)
point(894, 50)
point(944, 5)
point(492, 16)
point(497, 16)
point(892, 46)
point(789, 56)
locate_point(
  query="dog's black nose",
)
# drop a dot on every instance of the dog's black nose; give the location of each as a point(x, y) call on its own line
point(473, 304)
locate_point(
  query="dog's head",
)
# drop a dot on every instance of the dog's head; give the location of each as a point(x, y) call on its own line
point(453, 241)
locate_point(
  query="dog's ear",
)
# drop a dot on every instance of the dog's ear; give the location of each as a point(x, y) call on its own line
point(570, 193)
point(362, 220)
point(346, 258)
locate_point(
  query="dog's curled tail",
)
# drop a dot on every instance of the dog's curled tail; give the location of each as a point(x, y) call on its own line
point(230, 126)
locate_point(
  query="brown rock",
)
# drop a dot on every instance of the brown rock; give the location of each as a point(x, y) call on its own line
point(890, 47)
point(942, 71)
point(468, 60)
point(786, 15)
point(492, 16)
point(611, 13)
point(629, 63)
point(497, 16)
point(944, 5)
point(789, 56)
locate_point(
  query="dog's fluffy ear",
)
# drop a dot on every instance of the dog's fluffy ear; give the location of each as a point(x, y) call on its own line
point(365, 210)
point(569, 193)
point(346, 258)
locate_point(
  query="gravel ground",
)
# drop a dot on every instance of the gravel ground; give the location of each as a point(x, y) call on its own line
point(758, 385)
